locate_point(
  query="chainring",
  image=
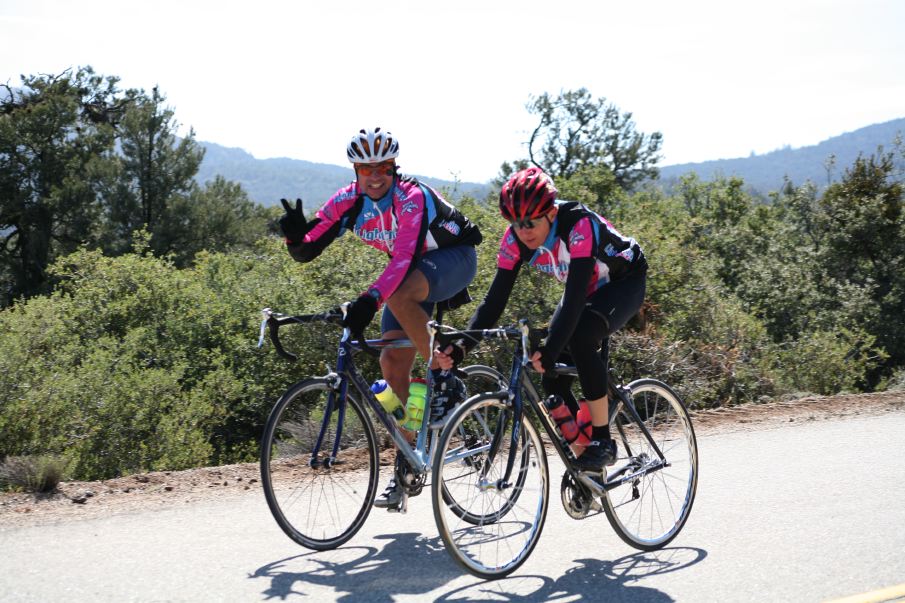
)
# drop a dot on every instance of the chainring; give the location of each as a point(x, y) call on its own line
point(576, 498)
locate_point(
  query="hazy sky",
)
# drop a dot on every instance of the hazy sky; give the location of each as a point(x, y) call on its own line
point(451, 80)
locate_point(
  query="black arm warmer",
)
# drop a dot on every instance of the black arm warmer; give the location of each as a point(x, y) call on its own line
point(566, 316)
point(305, 252)
point(490, 310)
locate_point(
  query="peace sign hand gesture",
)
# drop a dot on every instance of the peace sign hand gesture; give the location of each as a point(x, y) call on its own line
point(293, 224)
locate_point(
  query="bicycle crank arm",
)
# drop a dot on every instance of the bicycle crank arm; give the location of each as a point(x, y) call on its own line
point(596, 488)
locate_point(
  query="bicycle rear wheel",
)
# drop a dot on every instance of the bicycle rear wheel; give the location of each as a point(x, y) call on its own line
point(318, 503)
point(649, 511)
point(480, 379)
point(503, 522)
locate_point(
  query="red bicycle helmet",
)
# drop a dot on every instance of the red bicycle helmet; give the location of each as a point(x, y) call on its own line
point(527, 195)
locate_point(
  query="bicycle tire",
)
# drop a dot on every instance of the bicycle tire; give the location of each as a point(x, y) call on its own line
point(481, 379)
point(319, 507)
point(649, 512)
point(490, 549)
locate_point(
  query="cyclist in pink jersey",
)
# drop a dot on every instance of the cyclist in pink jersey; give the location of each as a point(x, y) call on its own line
point(431, 251)
point(604, 274)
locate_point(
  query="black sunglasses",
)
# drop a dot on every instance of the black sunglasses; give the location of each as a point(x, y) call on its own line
point(527, 224)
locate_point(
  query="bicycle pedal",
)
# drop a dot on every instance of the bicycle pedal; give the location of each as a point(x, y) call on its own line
point(401, 507)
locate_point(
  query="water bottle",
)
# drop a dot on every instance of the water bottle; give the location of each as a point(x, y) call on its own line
point(389, 400)
point(563, 418)
point(414, 408)
point(583, 418)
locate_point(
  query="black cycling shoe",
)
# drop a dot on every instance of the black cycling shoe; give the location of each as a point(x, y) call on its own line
point(391, 496)
point(448, 392)
point(598, 454)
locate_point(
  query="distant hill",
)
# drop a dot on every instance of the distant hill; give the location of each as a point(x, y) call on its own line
point(268, 180)
point(766, 173)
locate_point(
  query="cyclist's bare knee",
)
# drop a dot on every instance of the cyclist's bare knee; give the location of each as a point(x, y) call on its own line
point(413, 290)
point(396, 366)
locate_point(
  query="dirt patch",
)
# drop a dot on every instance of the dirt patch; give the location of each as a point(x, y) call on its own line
point(145, 491)
point(784, 412)
point(164, 489)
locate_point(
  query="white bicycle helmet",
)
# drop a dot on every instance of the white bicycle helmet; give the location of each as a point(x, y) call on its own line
point(372, 146)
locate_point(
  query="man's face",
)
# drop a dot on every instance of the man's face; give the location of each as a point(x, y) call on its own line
point(375, 179)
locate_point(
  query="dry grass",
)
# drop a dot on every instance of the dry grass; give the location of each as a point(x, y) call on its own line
point(37, 473)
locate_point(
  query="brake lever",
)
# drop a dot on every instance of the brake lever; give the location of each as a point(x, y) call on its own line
point(266, 313)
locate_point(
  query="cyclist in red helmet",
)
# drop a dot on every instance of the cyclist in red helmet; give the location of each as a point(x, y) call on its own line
point(604, 274)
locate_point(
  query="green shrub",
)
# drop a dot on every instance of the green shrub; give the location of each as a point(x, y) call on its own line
point(896, 383)
point(827, 362)
point(134, 365)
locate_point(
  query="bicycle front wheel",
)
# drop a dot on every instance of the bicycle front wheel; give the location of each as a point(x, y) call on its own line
point(494, 526)
point(649, 511)
point(319, 502)
point(483, 379)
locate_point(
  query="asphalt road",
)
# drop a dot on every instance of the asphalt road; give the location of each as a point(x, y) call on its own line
point(808, 512)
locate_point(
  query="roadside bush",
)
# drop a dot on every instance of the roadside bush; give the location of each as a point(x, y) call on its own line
point(40, 473)
point(134, 365)
point(705, 376)
point(897, 381)
point(827, 362)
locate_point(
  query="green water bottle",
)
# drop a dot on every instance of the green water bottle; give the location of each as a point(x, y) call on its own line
point(389, 400)
point(414, 408)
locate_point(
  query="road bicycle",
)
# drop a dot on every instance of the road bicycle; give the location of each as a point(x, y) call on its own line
point(492, 450)
point(319, 452)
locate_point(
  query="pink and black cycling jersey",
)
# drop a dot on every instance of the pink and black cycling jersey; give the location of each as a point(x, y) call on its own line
point(600, 253)
point(410, 220)
point(576, 232)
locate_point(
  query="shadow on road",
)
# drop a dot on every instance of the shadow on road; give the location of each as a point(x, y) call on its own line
point(590, 580)
point(413, 564)
point(410, 563)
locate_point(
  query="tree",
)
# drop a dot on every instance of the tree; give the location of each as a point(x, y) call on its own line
point(56, 132)
point(575, 131)
point(596, 187)
point(864, 248)
point(155, 169)
point(217, 217)
point(864, 214)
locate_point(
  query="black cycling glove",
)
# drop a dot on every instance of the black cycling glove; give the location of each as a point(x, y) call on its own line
point(456, 352)
point(293, 224)
point(545, 361)
point(360, 314)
